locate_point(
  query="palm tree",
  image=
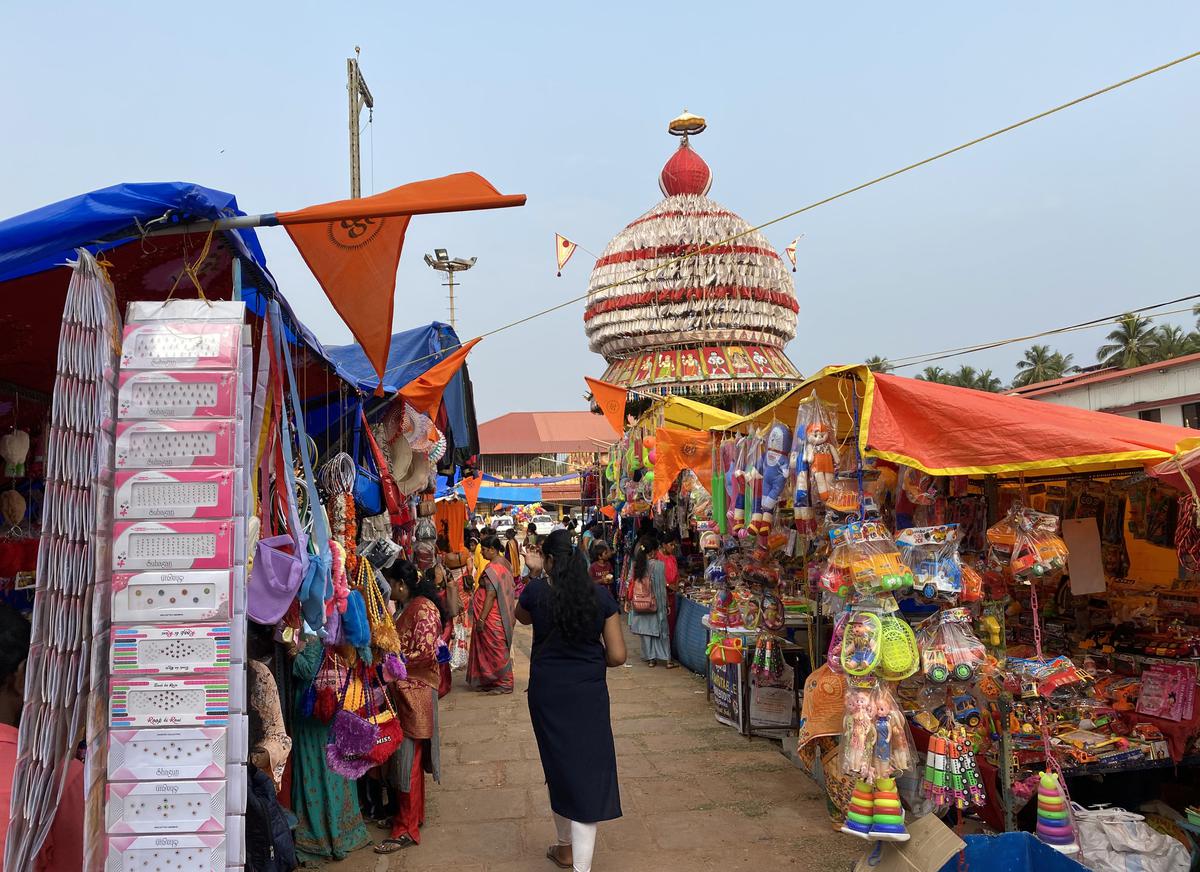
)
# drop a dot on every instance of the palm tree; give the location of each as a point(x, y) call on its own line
point(985, 381)
point(1130, 345)
point(879, 364)
point(969, 377)
point(1171, 341)
point(934, 374)
point(1041, 364)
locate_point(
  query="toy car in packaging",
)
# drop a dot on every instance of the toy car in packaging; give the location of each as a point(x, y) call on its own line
point(950, 651)
point(932, 555)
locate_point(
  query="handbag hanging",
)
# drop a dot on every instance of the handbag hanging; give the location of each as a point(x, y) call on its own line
point(393, 500)
point(391, 734)
point(351, 739)
point(641, 598)
point(317, 586)
point(383, 631)
point(280, 562)
point(368, 491)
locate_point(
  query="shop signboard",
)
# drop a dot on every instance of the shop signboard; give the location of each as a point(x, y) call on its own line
point(725, 685)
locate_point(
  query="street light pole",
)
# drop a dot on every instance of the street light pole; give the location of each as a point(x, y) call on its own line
point(442, 262)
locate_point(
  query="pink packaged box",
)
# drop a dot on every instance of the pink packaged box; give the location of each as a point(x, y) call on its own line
point(196, 443)
point(158, 755)
point(178, 394)
point(153, 701)
point(178, 544)
point(164, 649)
point(202, 852)
point(164, 597)
point(165, 807)
point(180, 493)
point(181, 345)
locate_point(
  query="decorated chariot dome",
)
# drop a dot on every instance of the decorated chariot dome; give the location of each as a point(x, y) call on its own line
point(706, 323)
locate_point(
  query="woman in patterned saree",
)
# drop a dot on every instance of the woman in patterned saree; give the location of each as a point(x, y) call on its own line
point(489, 666)
point(419, 626)
point(329, 825)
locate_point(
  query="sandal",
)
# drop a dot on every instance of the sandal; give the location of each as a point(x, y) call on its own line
point(651, 663)
point(553, 856)
point(671, 664)
point(391, 846)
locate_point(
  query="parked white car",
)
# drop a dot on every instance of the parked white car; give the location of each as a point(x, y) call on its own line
point(543, 524)
point(501, 524)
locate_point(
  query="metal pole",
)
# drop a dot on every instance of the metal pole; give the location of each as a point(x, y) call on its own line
point(450, 285)
point(355, 108)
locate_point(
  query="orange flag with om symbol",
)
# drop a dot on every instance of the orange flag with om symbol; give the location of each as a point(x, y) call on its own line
point(611, 400)
point(353, 247)
point(679, 450)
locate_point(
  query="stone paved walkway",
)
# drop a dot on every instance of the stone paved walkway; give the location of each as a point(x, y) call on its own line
point(696, 796)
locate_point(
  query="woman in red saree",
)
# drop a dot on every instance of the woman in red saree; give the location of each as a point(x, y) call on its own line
point(419, 626)
point(489, 666)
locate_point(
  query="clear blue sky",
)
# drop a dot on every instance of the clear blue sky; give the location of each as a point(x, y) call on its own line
point(1087, 213)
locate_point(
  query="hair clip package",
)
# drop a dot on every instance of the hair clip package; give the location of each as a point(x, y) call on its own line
point(163, 649)
point(184, 493)
point(178, 394)
point(184, 443)
point(166, 807)
point(207, 311)
point(181, 345)
point(154, 701)
point(202, 852)
point(150, 755)
point(235, 841)
point(178, 544)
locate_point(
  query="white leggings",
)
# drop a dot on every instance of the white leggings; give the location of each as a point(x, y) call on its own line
point(581, 838)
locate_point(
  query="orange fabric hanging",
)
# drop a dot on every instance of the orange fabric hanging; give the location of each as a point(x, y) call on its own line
point(450, 517)
point(611, 399)
point(353, 247)
point(471, 486)
point(679, 450)
point(425, 391)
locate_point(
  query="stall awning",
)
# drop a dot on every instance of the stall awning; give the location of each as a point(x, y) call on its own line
point(947, 430)
point(684, 414)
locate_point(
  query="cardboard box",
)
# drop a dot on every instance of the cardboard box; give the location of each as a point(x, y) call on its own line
point(931, 845)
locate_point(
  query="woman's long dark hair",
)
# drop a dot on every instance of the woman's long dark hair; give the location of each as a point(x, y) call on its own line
point(418, 584)
point(573, 594)
point(491, 540)
point(641, 555)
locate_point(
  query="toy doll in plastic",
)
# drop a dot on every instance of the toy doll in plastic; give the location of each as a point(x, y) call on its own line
point(822, 458)
point(774, 467)
point(772, 613)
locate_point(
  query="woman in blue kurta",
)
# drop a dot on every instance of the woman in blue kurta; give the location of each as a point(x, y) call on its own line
point(576, 636)
point(652, 628)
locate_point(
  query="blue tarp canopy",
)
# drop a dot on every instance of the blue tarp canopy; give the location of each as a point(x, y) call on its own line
point(510, 495)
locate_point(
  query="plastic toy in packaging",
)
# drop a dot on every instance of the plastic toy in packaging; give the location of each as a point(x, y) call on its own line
point(748, 608)
point(951, 772)
point(950, 650)
point(875, 737)
point(932, 555)
point(773, 475)
point(833, 654)
point(898, 654)
point(874, 560)
point(814, 461)
point(920, 487)
point(861, 643)
point(1026, 545)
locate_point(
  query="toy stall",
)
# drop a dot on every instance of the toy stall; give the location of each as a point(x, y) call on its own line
point(1005, 601)
point(190, 475)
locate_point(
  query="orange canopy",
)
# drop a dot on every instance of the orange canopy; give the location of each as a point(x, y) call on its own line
point(353, 247)
point(947, 430)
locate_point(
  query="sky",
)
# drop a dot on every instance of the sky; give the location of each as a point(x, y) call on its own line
point(1088, 213)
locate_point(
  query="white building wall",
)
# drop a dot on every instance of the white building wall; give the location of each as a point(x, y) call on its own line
point(1161, 389)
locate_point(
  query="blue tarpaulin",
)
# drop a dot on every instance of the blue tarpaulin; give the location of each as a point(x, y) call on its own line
point(510, 495)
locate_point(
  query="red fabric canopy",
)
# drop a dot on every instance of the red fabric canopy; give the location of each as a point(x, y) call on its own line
point(948, 430)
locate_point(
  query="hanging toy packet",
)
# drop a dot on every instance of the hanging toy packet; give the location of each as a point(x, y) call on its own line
point(932, 555)
point(875, 563)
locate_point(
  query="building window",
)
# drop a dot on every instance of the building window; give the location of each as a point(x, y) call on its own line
point(1151, 415)
point(1191, 415)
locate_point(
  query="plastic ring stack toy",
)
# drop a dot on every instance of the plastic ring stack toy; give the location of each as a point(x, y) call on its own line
point(860, 814)
point(887, 821)
point(1053, 817)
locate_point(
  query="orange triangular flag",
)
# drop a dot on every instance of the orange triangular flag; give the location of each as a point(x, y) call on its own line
point(611, 400)
point(353, 247)
point(564, 248)
point(679, 450)
point(425, 391)
point(470, 486)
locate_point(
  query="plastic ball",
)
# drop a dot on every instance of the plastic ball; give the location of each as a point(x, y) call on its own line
point(652, 456)
point(648, 478)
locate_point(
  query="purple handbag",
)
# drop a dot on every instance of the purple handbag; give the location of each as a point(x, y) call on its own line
point(279, 565)
point(351, 738)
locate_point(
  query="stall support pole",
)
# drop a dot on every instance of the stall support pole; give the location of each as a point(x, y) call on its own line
point(991, 493)
point(237, 279)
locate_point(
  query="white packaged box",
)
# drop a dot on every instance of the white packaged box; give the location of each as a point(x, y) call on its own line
point(146, 808)
point(157, 755)
point(167, 597)
point(176, 853)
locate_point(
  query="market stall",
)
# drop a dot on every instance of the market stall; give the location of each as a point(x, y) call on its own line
point(1001, 582)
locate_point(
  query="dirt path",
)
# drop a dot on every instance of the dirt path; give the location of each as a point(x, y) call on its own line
point(696, 796)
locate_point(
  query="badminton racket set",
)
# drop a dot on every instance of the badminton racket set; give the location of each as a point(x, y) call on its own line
point(176, 785)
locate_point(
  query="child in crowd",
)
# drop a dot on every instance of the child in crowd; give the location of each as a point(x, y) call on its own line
point(601, 569)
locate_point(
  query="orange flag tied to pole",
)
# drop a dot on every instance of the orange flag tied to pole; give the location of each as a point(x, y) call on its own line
point(425, 391)
point(564, 248)
point(470, 485)
point(353, 247)
point(679, 450)
point(611, 399)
